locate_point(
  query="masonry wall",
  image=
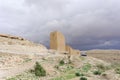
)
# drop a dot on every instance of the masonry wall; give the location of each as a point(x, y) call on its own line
point(69, 49)
point(57, 41)
point(76, 52)
point(53, 40)
point(72, 51)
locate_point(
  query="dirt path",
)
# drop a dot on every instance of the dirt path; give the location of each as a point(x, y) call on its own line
point(17, 69)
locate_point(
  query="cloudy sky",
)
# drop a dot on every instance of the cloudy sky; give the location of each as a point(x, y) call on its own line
point(86, 24)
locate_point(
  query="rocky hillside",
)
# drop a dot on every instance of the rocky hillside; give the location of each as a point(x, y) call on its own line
point(18, 45)
point(18, 58)
point(58, 67)
point(15, 51)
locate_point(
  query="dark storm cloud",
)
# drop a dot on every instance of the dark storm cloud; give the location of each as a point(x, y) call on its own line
point(86, 24)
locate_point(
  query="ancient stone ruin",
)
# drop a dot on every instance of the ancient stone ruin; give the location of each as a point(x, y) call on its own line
point(71, 51)
point(57, 42)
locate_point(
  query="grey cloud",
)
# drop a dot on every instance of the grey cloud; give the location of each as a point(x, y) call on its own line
point(86, 24)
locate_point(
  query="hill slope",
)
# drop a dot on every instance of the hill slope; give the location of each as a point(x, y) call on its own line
point(112, 56)
point(18, 57)
point(18, 45)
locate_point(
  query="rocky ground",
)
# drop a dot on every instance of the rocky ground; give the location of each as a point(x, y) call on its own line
point(18, 57)
point(85, 66)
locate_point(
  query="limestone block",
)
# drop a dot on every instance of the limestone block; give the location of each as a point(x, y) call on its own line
point(69, 49)
point(57, 41)
point(76, 52)
point(72, 51)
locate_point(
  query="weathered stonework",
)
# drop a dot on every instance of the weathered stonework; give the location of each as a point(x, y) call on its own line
point(57, 41)
point(72, 51)
point(69, 49)
point(76, 52)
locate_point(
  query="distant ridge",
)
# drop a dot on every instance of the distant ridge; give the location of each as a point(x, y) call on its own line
point(11, 37)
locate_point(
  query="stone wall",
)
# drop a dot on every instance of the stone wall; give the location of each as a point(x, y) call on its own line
point(76, 52)
point(69, 49)
point(72, 51)
point(57, 41)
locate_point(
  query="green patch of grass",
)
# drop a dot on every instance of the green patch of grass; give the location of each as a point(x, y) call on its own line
point(58, 78)
point(102, 67)
point(12, 79)
point(69, 68)
point(117, 70)
point(86, 67)
point(24, 76)
point(82, 58)
point(65, 77)
point(115, 65)
point(67, 74)
point(33, 74)
point(70, 76)
point(72, 71)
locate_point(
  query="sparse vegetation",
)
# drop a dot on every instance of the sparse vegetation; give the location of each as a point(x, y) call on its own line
point(32, 71)
point(104, 74)
point(56, 66)
point(86, 67)
point(83, 78)
point(27, 60)
point(70, 76)
point(65, 71)
point(39, 70)
point(24, 76)
point(65, 77)
point(58, 78)
point(82, 58)
point(61, 62)
point(79, 74)
point(69, 67)
point(11, 79)
point(102, 67)
point(97, 72)
point(117, 70)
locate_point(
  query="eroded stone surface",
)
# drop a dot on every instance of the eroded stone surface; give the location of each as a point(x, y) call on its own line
point(57, 41)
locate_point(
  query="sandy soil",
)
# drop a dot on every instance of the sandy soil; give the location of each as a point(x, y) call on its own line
point(112, 56)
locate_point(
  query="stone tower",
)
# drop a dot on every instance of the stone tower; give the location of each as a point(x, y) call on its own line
point(57, 41)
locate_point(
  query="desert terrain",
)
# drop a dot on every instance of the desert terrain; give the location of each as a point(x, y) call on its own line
point(112, 56)
point(18, 59)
